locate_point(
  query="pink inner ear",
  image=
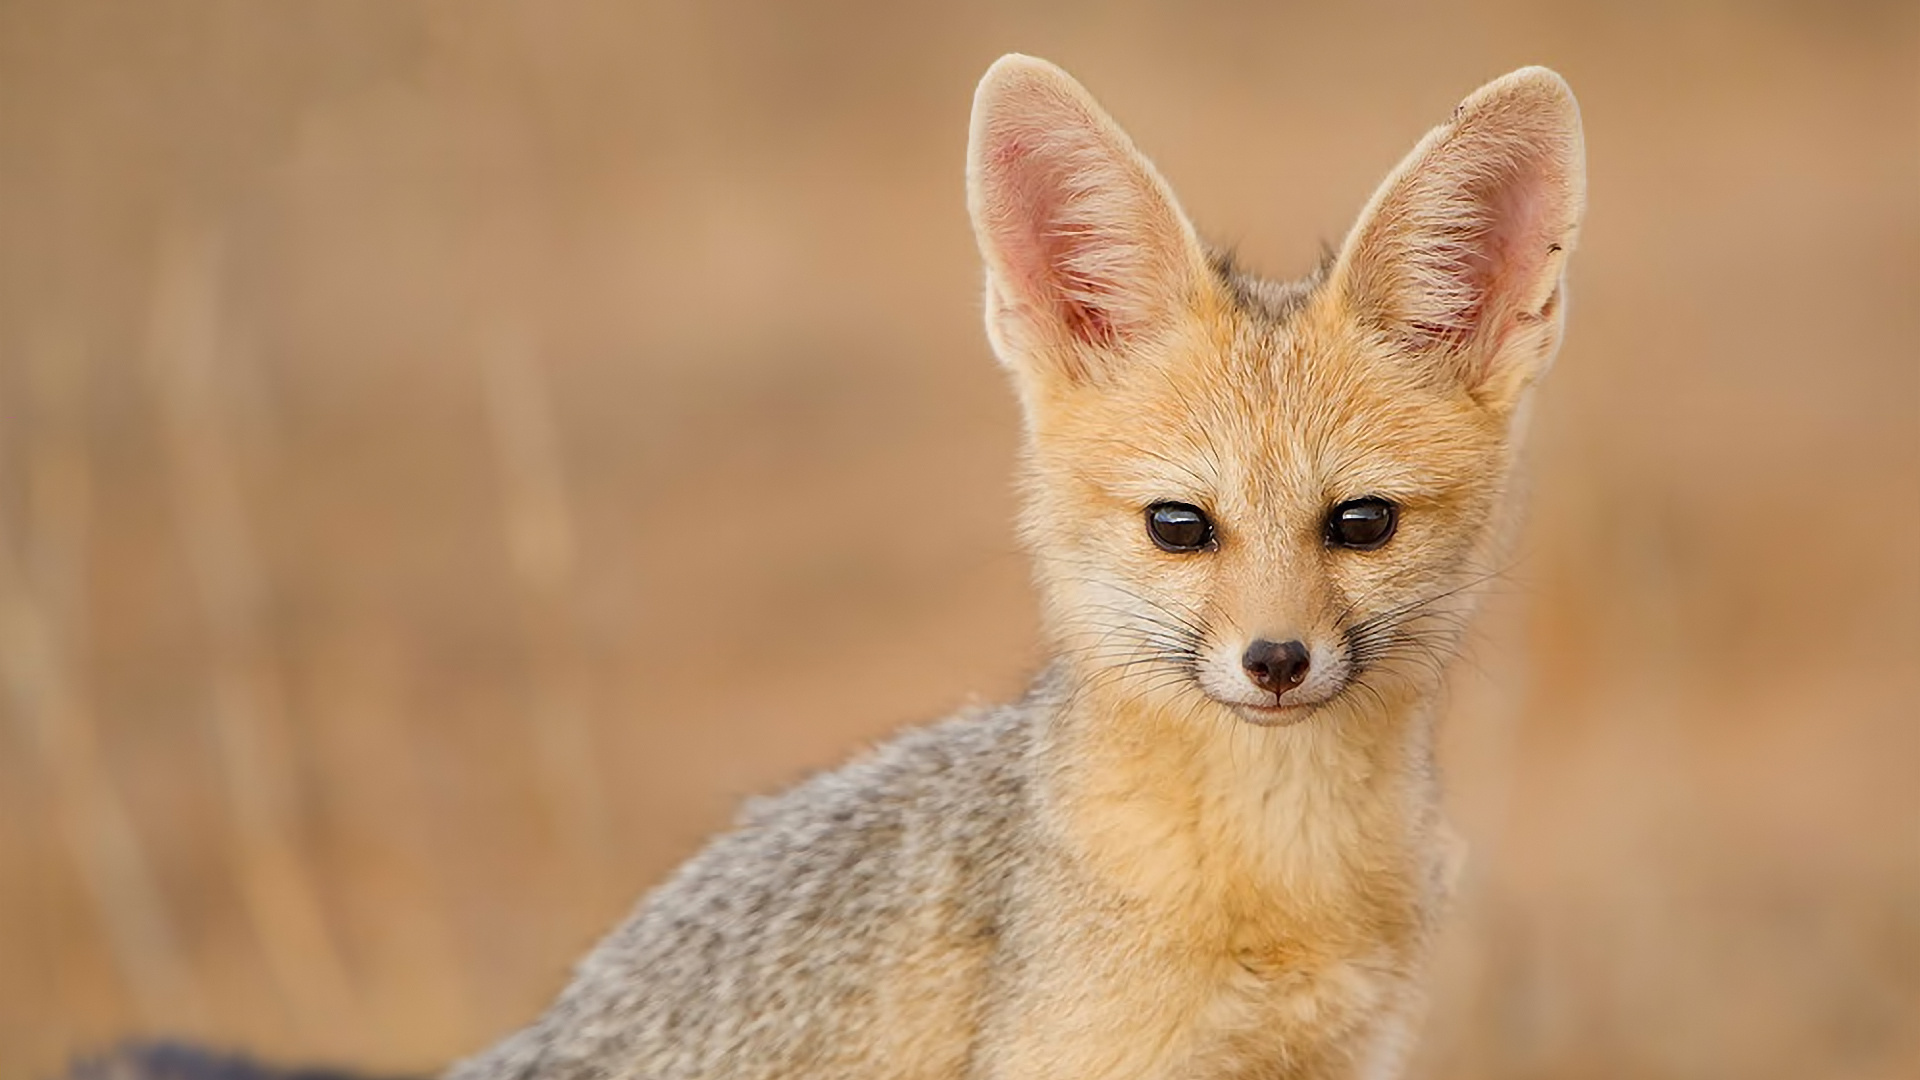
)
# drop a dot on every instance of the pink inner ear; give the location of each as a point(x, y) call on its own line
point(1491, 259)
point(1050, 248)
point(1083, 302)
point(1516, 245)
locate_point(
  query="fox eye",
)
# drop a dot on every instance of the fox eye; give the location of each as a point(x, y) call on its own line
point(1361, 524)
point(1179, 527)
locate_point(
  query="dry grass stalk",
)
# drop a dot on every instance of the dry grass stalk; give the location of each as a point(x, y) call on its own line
point(539, 526)
point(248, 710)
point(43, 642)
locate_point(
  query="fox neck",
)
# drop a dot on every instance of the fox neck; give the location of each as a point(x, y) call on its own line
point(1188, 805)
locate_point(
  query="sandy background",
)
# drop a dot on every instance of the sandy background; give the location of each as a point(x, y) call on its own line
point(450, 453)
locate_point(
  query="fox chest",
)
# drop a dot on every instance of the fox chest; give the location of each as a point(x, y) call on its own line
point(1274, 1002)
point(1292, 995)
point(1192, 1014)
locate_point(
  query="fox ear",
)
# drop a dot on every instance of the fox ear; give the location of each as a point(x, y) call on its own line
point(1087, 253)
point(1458, 259)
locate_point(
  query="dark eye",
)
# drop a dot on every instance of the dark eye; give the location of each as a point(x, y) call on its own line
point(1179, 527)
point(1361, 524)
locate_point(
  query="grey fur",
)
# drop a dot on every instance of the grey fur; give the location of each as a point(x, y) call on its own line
point(764, 955)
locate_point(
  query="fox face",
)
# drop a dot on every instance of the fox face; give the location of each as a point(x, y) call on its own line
point(1265, 514)
point(1269, 499)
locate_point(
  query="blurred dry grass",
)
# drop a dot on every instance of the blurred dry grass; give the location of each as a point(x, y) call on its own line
point(450, 453)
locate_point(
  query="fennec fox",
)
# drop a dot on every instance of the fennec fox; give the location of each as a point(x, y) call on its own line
point(1206, 843)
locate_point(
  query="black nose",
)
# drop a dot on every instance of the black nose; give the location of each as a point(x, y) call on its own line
point(1278, 667)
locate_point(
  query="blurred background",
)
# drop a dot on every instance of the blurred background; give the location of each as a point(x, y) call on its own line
point(451, 453)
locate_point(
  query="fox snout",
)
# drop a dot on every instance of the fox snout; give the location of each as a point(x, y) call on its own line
point(1268, 682)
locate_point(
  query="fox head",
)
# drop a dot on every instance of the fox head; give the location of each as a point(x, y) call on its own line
point(1269, 499)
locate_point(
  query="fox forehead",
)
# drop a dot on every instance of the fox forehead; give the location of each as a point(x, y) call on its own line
point(1256, 407)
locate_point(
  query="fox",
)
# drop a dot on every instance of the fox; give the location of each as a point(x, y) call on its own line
point(1207, 841)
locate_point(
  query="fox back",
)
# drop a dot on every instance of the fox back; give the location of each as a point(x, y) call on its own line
point(1206, 843)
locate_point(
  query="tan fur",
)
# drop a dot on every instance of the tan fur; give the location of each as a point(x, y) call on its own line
point(1151, 867)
